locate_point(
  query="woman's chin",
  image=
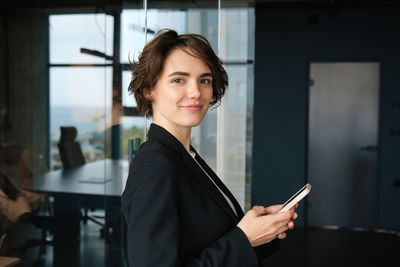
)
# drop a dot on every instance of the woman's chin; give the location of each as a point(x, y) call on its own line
point(193, 123)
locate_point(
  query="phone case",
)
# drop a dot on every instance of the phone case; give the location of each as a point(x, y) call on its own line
point(296, 198)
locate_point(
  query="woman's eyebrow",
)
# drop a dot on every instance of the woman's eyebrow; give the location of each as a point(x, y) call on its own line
point(179, 73)
point(207, 74)
point(187, 74)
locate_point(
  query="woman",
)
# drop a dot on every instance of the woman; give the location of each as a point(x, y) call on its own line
point(178, 212)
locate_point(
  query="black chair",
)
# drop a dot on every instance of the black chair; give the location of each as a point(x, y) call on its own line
point(70, 150)
point(71, 156)
point(45, 223)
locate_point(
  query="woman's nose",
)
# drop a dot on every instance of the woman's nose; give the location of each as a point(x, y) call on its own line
point(193, 90)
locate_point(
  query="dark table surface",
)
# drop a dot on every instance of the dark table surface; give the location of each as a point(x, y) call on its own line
point(103, 178)
point(101, 181)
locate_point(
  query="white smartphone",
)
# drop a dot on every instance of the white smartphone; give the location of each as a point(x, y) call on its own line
point(296, 198)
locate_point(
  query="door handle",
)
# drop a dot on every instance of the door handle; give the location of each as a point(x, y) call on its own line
point(369, 148)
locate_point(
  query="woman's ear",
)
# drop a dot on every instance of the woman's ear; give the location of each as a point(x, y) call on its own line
point(148, 93)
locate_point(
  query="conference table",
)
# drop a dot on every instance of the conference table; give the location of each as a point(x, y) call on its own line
point(101, 181)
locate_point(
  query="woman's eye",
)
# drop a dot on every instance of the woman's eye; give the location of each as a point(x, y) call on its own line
point(206, 81)
point(177, 80)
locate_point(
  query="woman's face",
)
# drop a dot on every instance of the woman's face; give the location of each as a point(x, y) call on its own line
point(182, 94)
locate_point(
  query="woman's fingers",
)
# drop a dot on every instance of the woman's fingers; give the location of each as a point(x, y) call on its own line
point(285, 223)
point(272, 209)
point(282, 235)
point(259, 210)
point(261, 225)
point(282, 230)
point(284, 216)
point(275, 208)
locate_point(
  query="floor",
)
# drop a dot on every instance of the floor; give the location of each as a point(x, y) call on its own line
point(92, 247)
point(315, 247)
point(309, 247)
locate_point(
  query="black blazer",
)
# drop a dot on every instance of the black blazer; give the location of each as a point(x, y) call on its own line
point(175, 214)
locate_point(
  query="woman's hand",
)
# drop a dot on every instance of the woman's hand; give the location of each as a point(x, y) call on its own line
point(13, 209)
point(262, 225)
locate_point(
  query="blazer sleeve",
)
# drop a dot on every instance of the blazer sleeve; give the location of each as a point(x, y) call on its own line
point(265, 250)
point(151, 208)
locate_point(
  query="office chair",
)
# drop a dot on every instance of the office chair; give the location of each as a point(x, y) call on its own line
point(70, 150)
point(45, 224)
point(71, 156)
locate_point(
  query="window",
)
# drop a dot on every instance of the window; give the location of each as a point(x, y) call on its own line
point(80, 83)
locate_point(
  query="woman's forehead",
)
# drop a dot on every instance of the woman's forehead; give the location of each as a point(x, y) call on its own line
point(184, 60)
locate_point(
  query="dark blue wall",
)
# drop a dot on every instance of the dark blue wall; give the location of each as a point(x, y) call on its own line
point(285, 44)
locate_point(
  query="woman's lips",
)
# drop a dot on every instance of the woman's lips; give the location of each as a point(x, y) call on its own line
point(191, 107)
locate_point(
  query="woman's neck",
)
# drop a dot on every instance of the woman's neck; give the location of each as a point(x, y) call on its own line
point(180, 133)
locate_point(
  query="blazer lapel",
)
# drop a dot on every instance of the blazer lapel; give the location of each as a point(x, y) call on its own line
point(221, 185)
point(203, 179)
point(163, 136)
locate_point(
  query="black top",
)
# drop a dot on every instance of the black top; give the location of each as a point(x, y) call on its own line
point(176, 216)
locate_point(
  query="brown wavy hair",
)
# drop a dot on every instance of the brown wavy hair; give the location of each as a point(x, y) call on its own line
point(146, 71)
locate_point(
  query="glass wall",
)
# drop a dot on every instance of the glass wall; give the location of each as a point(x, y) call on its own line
point(71, 68)
point(224, 138)
point(231, 34)
point(234, 124)
point(80, 73)
point(133, 39)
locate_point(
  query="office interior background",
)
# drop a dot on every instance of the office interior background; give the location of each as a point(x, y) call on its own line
point(313, 97)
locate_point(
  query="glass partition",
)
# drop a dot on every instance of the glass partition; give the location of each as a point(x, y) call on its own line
point(55, 136)
point(66, 77)
point(78, 98)
point(71, 33)
point(80, 73)
point(224, 139)
point(234, 116)
point(81, 107)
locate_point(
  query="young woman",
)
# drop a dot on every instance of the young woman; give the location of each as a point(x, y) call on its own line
point(178, 212)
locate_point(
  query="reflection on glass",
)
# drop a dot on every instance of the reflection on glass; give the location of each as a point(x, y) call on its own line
point(78, 98)
point(70, 33)
point(236, 34)
point(133, 24)
point(132, 43)
point(132, 128)
point(128, 99)
point(224, 137)
point(228, 152)
point(231, 140)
